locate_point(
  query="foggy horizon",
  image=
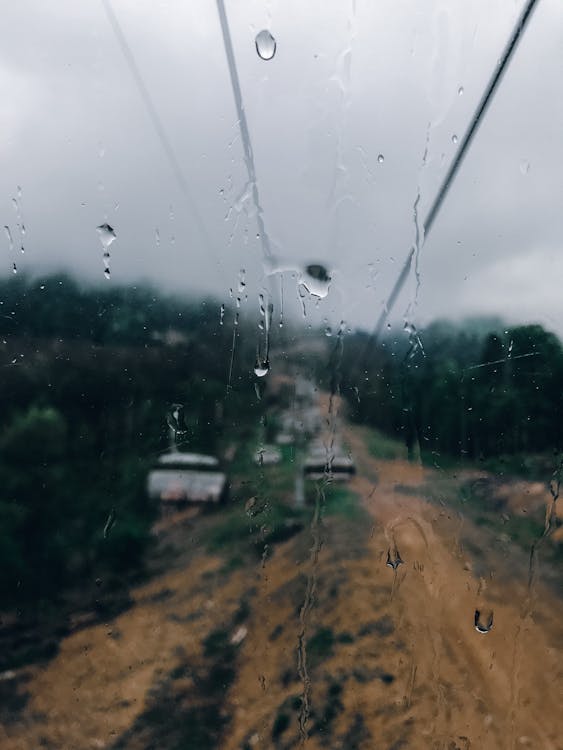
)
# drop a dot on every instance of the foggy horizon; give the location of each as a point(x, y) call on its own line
point(338, 151)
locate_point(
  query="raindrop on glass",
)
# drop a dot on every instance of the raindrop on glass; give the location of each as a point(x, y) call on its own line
point(316, 280)
point(261, 368)
point(14, 268)
point(483, 621)
point(175, 419)
point(265, 45)
point(380, 158)
point(454, 139)
point(9, 236)
point(109, 523)
point(106, 234)
point(393, 558)
point(460, 91)
point(241, 280)
point(221, 314)
point(524, 167)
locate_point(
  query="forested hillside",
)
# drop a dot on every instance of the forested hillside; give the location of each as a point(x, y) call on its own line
point(87, 378)
point(477, 389)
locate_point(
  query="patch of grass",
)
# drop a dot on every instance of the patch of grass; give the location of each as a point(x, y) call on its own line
point(281, 724)
point(13, 699)
point(229, 531)
point(477, 501)
point(237, 533)
point(384, 447)
point(276, 632)
point(196, 689)
point(330, 710)
point(382, 627)
point(340, 501)
point(276, 482)
point(30, 651)
point(364, 674)
point(536, 467)
point(233, 563)
point(320, 646)
point(357, 735)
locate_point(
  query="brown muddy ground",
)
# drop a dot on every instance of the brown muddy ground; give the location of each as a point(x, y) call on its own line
point(207, 656)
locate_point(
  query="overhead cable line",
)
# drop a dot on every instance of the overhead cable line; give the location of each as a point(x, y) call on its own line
point(244, 131)
point(156, 121)
point(482, 106)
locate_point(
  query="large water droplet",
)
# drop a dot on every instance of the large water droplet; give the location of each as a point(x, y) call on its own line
point(175, 419)
point(393, 558)
point(483, 621)
point(261, 368)
point(265, 45)
point(106, 234)
point(380, 158)
point(316, 280)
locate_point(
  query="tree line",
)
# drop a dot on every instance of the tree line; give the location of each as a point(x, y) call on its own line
point(479, 389)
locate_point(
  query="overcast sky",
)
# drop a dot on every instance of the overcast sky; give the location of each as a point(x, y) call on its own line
point(349, 81)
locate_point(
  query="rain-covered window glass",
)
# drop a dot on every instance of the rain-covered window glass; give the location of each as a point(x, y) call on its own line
point(281, 375)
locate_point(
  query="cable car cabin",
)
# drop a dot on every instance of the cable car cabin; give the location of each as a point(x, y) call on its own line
point(340, 469)
point(180, 479)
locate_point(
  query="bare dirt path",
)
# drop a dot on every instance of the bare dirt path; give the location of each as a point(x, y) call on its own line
point(499, 690)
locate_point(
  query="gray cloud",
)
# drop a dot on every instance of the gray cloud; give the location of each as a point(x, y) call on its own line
point(342, 89)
